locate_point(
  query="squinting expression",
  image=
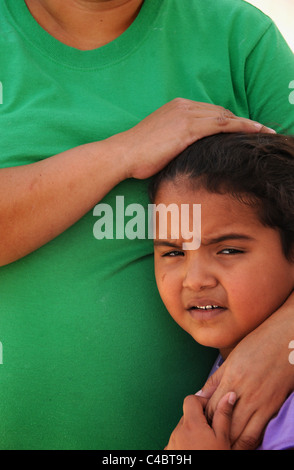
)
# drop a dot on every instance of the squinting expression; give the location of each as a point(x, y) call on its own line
point(233, 282)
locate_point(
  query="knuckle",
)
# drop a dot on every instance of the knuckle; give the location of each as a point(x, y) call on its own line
point(181, 103)
point(222, 119)
point(177, 100)
point(189, 400)
point(172, 442)
point(248, 442)
point(227, 413)
point(262, 129)
point(224, 116)
point(186, 131)
point(212, 381)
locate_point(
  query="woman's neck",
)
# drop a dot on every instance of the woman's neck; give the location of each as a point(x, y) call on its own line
point(84, 24)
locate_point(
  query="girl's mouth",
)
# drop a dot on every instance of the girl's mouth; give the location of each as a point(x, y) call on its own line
point(205, 312)
point(205, 307)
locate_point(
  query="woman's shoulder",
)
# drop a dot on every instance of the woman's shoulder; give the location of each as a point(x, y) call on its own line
point(242, 7)
point(235, 17)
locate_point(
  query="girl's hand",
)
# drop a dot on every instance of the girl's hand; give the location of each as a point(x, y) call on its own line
point(193, 431)
point(161, 136)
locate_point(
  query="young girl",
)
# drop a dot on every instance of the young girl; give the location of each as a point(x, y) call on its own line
point(243, 269)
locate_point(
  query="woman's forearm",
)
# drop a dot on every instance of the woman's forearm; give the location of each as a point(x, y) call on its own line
point(41, 200)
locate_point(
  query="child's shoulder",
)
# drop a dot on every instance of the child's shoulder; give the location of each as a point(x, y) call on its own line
point(279, 433)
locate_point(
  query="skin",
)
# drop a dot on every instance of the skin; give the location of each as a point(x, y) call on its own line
point(193, 431)
point(74, 22)
point(240, 266)
point(30, 211)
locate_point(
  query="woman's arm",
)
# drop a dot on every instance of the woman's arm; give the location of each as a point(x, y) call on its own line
point(261, 373)
point(41, 200)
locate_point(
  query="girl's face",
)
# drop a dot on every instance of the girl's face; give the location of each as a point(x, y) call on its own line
point(236, 278)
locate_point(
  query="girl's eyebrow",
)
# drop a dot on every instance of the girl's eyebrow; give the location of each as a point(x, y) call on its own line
point(228, 236)
point(166, 243)
point(208, 241)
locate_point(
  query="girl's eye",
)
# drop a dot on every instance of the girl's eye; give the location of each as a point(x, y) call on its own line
point(173, 253)
point(230, 251)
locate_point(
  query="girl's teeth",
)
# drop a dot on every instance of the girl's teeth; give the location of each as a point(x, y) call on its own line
point(207, 307)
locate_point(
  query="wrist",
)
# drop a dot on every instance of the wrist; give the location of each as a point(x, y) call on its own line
point(111, 158)
point(120, 153)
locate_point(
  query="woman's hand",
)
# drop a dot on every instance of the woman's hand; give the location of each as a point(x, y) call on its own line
point(193, 431)
point(260, 373)
point(30, 211)
point(152, 143)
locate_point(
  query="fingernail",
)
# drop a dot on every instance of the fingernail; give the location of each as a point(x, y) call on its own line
point(232, 398)
point(203, 394)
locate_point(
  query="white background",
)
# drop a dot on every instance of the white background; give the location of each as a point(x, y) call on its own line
point(282, 12)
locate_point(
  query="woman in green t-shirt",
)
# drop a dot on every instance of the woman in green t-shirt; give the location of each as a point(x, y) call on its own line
point(90, 109)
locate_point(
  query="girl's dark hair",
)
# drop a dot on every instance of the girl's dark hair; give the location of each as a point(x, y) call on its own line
point(257, 169)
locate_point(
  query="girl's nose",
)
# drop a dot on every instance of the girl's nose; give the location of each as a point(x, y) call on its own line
point(199, 276)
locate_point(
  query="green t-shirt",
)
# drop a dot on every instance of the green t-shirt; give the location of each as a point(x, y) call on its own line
point(90, 359)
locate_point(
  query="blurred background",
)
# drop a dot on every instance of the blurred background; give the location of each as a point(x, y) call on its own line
point(282, 12)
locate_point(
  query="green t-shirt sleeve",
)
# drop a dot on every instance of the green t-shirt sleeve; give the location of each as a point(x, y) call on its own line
point(269, 75)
